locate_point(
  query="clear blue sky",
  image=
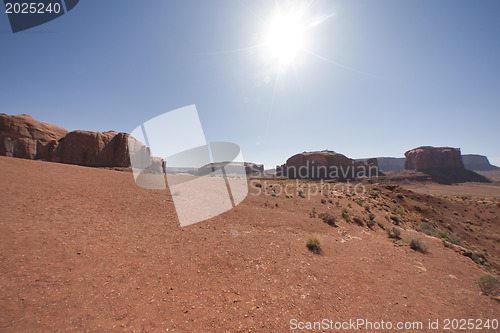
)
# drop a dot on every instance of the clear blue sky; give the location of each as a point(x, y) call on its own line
point(379, 77)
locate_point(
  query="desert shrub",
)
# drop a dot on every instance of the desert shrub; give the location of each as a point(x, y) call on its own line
point(451, 237)
point(416, 244)
point(478, 257)
point(394, 233)
point(312, 214)
point(301, 194)
point(490, 285)
point(258, 185)
point(447, 244)
point(330, 201)
point(428, 228)
point(358, 220)
point(328, 219)
point(345, 215)
point(397, 210)
point(396, 219)
point(313, 244)
point(381, 225)
point(370, 224)
point(498, 204)
point(367, 208)
point(371, 216)
point(323, 201)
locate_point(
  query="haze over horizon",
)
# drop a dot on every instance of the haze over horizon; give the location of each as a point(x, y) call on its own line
point(368, 78)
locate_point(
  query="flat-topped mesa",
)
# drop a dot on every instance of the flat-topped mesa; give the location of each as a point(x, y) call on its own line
point(247, 168)
point(478, 163)
point(433, 158)
point(443, 164)
point(325, 164)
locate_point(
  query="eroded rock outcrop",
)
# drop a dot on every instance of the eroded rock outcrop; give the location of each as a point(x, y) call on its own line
point(326, 164)
point(443, 164)
point(22, 136)
point(108, 149)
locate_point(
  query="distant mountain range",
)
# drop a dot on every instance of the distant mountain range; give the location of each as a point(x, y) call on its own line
point(471, 162)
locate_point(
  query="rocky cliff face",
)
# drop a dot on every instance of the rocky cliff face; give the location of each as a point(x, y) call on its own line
point(444, 165)
point(22, 136)
point(94, 149)
point(432, 158)
point(325, 165)
point(478, 163)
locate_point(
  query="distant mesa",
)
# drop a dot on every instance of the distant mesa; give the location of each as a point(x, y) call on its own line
point(326, 164)
point(478, 163)
point(247, 168)
point(386, 164)
point(471, 162)
point(443, 164)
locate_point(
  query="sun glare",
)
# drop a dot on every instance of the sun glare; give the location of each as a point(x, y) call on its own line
point(285, 37)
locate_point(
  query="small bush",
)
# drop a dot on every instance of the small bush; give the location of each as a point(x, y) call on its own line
point(447, 244)
point(323, 201)
point(417, 245)
point(328, 219)
point(490, 285)
point(397, 210)
point(312, 214)
point(258, 185)
point(396, 219)
point(358, 220)
point(313, 244)
point(381, 225)
point(371, 216)
point(428, 228)
point(345, 215)
point(301, 194)
point(370, 224)
point(451, 237)
point(394, 233)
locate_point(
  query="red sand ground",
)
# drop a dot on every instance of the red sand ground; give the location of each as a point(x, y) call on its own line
point(86, 249)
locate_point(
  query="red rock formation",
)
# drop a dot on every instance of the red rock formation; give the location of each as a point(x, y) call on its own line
point(324, 165)
point(432, 158)
point(22, 136)
point(444, 165)
point(94, 149)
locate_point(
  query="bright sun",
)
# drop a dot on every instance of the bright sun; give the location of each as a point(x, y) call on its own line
point(285, 37)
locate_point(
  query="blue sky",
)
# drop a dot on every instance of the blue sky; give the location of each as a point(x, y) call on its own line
point(375, 78)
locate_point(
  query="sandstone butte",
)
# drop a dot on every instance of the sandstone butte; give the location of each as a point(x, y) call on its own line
point(443, 164)
point(324, 165)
